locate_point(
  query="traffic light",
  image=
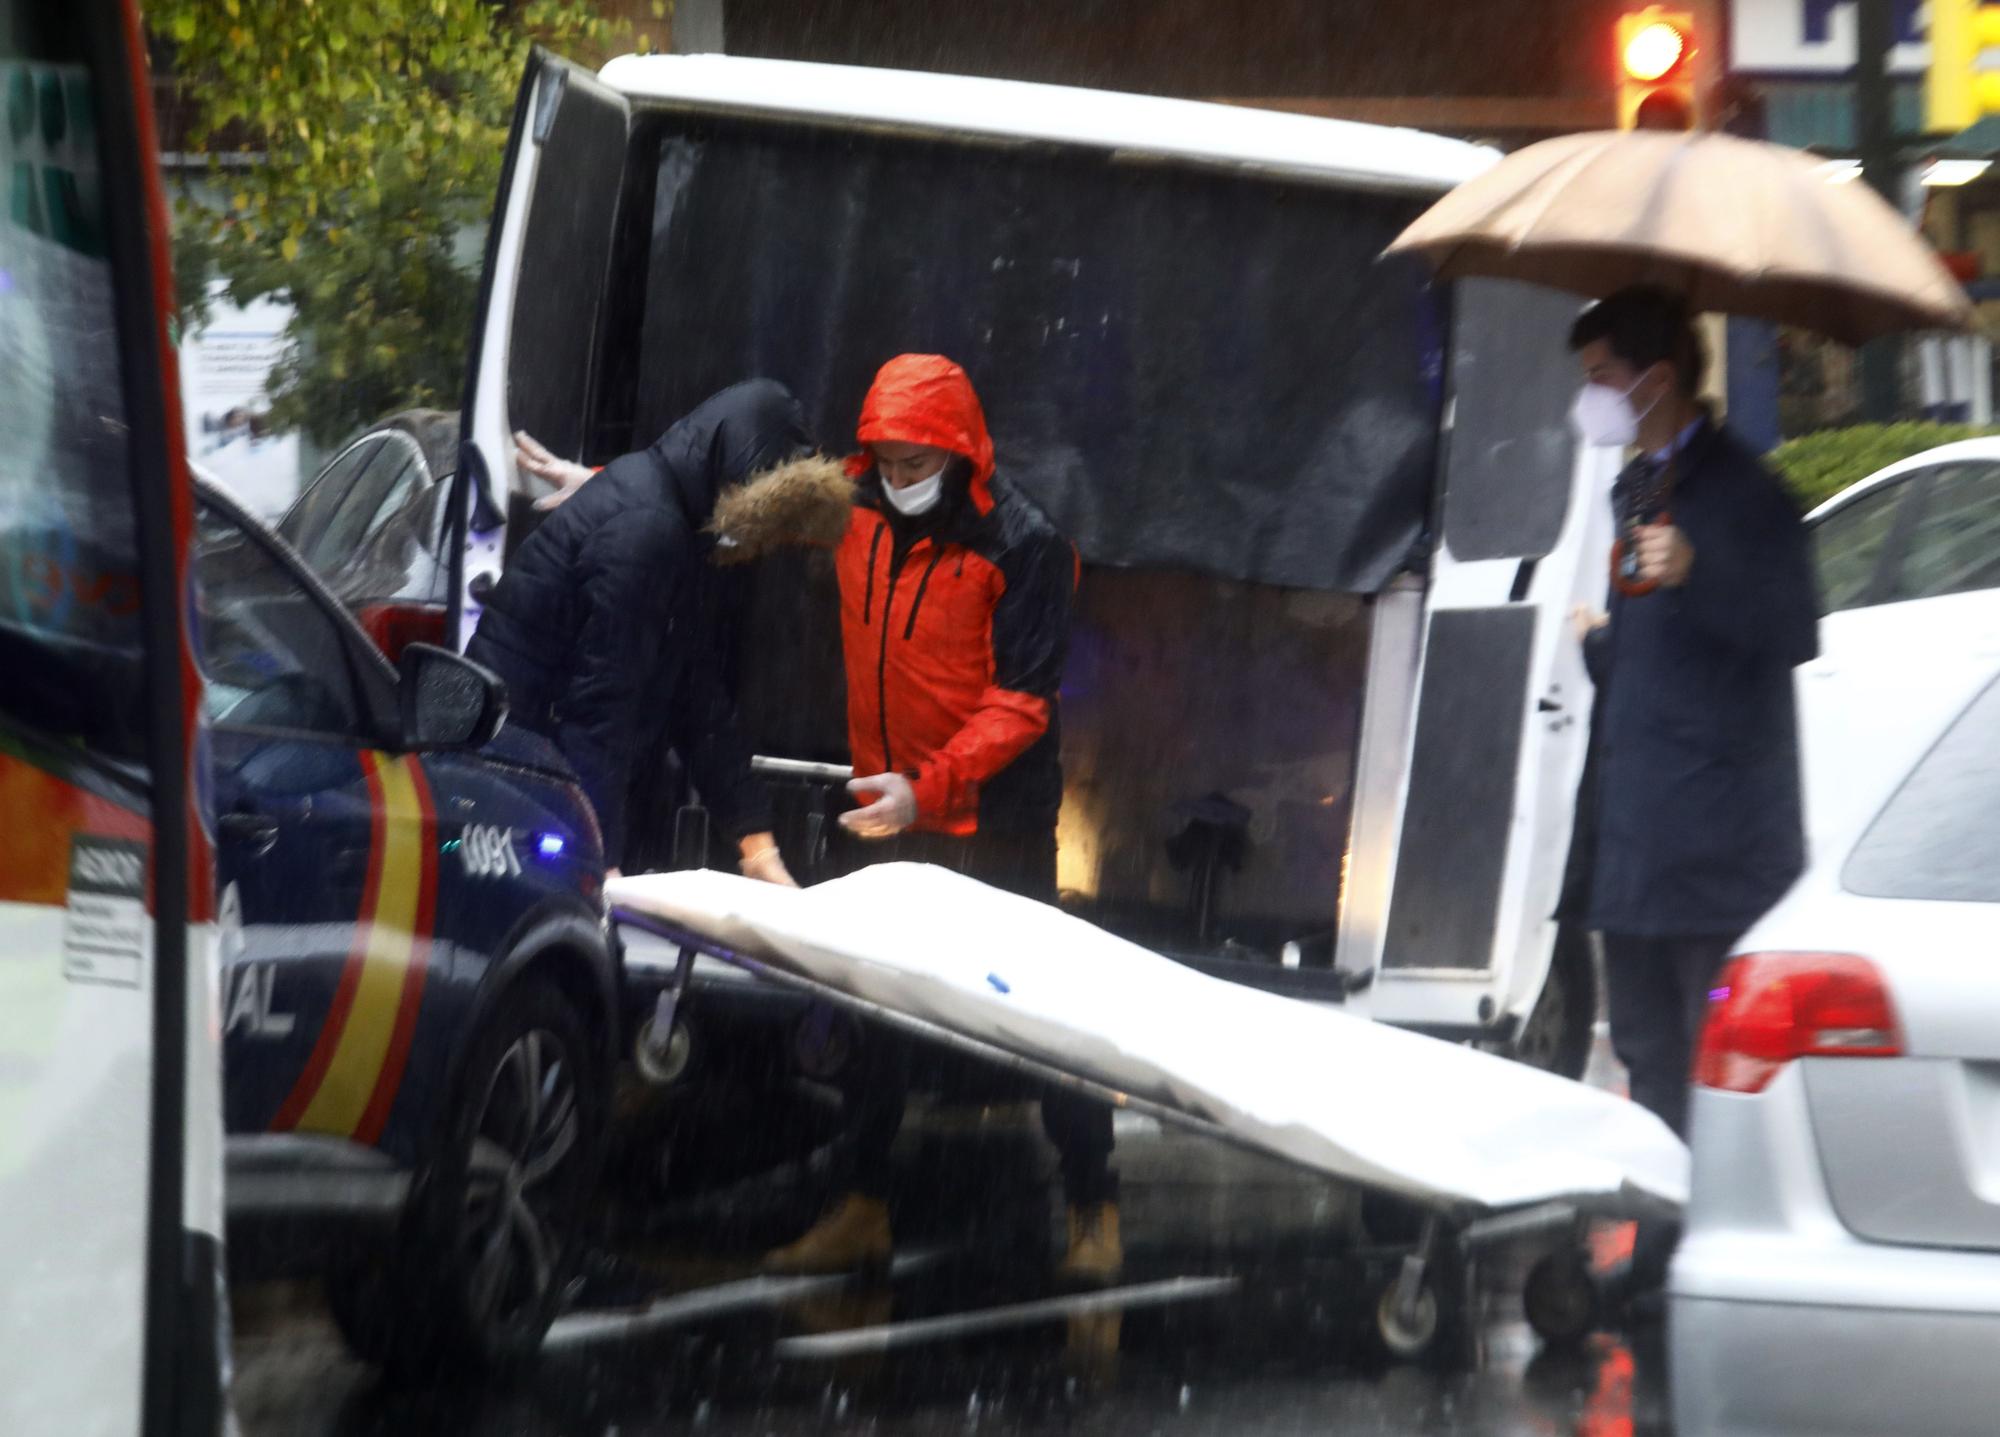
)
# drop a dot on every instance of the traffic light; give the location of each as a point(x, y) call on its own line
point(1965, 38)
point(1656, 69)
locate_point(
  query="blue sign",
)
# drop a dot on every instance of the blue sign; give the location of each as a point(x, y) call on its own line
point(1818, 18)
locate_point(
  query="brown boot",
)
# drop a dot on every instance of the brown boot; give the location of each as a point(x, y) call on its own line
point(853, 1234)
point(1096, 1253)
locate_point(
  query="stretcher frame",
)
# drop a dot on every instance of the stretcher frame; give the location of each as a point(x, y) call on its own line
point(1432, 1289)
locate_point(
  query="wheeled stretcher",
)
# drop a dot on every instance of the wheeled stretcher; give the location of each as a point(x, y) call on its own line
point(1486, 1148)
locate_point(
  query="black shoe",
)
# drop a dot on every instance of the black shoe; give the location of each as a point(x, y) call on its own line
point(1629, 1298)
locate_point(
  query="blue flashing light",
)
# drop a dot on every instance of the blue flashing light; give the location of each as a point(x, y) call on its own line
point(550, 845)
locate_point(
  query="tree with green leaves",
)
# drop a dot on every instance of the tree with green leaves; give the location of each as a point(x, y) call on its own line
point(358, 144)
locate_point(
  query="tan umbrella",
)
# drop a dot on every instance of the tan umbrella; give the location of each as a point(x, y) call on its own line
point(1738, 226)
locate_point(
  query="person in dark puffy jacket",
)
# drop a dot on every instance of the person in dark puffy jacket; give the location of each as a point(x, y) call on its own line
point(603, 624)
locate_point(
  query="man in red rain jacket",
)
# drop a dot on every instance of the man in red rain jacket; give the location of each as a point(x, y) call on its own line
point(955, 599)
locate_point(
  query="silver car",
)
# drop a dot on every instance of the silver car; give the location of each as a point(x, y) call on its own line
point(1841, 1268)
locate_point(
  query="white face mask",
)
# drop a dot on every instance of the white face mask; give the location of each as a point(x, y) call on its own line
point(918, 498)
point(1603, 415)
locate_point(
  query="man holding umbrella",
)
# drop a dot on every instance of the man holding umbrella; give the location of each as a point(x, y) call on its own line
point(1688, 821)
point(1688, 818)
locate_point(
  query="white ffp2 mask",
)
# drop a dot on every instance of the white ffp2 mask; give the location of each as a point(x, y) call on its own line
point(918, 498)
point(1604, 416)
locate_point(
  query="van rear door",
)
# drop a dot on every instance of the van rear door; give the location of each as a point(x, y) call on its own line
point(1465, 794)
point(538, 333)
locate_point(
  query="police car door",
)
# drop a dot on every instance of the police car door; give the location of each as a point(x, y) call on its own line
point(545, 312)
point(1479, 704)
point(326, 846)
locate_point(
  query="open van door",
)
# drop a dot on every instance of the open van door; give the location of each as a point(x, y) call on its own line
point(1464, 796)
point(536, 349)
point(110, 1101)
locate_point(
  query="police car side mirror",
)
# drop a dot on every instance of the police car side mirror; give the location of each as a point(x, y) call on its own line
point(446, 701)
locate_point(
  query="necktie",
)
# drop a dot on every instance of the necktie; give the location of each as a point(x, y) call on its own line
point(1639, 492)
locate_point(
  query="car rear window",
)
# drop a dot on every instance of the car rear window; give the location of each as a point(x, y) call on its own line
point(1939, 837)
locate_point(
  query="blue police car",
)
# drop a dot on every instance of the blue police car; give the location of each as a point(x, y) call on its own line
point(420, 1007)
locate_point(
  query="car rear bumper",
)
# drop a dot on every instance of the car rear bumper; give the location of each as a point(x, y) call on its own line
point(1785, 1324)
point(1770, 1369)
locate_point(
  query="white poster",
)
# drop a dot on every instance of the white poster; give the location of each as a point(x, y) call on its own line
point(224, 367)
point(1806, 38)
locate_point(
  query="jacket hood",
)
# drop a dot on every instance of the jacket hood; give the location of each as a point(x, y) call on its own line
point(744, 430)
point(926, 399)
point(802, 501)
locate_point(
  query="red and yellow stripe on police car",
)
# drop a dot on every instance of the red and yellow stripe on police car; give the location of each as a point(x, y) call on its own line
point(356, 1066)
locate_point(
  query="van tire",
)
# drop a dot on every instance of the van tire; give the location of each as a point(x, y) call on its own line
point(1561, 1026)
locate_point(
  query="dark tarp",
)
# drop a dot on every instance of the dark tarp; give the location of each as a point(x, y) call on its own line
point(1186, 369)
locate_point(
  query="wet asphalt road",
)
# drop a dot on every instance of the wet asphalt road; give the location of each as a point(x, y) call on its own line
point(684, 1337)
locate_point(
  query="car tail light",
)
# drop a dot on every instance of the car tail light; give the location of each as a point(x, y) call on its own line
point(1768, 1008)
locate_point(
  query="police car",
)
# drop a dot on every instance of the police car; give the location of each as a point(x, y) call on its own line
point(419, 1002)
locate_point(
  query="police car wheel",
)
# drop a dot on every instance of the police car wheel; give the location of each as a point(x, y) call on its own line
point(524, 1158)
point(490, 1240)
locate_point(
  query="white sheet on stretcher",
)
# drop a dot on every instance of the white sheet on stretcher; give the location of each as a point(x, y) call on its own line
point(1303, 1081)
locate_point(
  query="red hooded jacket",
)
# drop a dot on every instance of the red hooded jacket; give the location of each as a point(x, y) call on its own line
point(955, 624)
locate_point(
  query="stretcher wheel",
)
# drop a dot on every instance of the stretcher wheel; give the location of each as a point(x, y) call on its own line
point(1560, 1298)
point(663, 1063)
point(1407, 1330)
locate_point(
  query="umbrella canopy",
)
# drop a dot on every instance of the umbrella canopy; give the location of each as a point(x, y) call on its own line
point(1737, 226)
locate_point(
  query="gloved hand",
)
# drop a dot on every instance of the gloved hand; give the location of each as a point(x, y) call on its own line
point(894, 808)
point(762, 861)
point(567, 475)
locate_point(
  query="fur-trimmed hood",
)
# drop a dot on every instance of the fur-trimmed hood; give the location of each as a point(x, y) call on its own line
point(802, 501)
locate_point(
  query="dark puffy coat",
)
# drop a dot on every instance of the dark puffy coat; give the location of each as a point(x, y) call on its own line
point(604, 623)
point(1689, 819)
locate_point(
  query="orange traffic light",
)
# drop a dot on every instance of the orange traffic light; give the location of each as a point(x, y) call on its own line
point(1656, 49)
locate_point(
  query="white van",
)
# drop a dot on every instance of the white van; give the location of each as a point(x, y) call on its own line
point(1323, 719)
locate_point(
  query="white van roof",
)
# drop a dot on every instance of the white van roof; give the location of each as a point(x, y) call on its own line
point(1339, 153)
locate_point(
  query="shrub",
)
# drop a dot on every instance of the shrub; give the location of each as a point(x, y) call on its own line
point(359, 145)
point(1815, 467)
